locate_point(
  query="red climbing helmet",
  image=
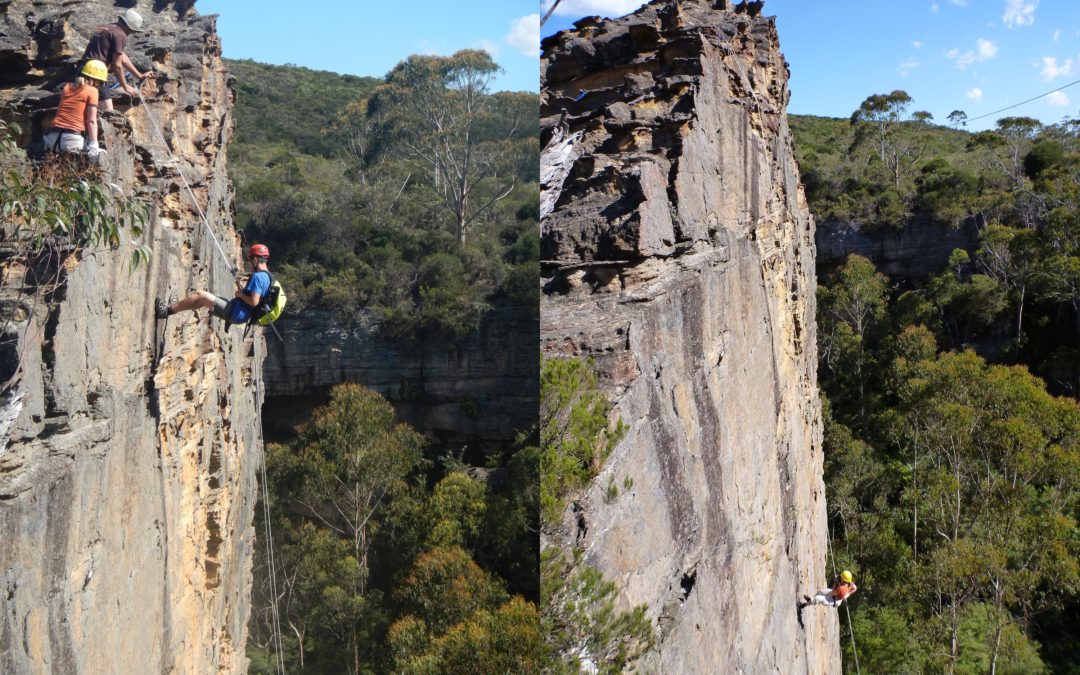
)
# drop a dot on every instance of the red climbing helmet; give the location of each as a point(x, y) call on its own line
point(259, 250)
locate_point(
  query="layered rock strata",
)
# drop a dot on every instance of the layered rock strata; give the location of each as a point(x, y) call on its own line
point(127, 472)
point(481, 392)
point(679, 255)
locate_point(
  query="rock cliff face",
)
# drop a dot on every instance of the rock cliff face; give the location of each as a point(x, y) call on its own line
point(127, 482)
point(920, 249)
point(679, 255)
point(481, 392)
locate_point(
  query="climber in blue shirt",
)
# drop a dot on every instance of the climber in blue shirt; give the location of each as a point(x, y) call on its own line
point(246, 299)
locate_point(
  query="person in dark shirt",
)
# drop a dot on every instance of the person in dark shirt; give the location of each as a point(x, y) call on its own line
point(107, 44)
point(244, 302)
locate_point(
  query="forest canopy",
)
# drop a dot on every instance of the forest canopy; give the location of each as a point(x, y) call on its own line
point(952, 429)
point(414, 196)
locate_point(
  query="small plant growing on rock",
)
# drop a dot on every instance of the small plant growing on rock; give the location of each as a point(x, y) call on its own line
point(575, 433)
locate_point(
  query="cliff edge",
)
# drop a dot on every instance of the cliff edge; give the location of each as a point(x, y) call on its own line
point(678, 253)
point(127, 475)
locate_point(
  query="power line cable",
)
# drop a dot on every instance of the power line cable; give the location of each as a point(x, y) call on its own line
point(1016, 105)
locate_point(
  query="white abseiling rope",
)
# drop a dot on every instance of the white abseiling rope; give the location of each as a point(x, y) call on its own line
point(851, 630)
point(275, 617)
point(176, 165)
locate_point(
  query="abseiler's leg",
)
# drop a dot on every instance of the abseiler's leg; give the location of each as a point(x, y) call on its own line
point(197, 300)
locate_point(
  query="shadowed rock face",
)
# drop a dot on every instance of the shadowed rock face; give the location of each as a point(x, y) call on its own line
point(920, 249)
point(679, 255)
point(481, 393)
point(127, 483)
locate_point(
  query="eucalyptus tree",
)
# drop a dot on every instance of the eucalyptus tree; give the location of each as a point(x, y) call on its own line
point(441, 102)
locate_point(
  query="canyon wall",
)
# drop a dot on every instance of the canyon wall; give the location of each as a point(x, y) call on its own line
point(678, 254)
point(919, 249)
point(128, 463)
point(480, 392)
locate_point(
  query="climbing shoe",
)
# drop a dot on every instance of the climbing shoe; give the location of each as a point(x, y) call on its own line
point(161, 309)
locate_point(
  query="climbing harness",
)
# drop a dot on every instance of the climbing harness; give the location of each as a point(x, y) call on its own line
point(847, 611)
point(176, 165)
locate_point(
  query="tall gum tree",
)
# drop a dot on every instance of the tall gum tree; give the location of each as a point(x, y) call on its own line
point(441, 102)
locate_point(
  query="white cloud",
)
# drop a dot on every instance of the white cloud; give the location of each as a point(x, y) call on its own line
point(524, 35)
point(607, 8)
point(959, 3)
point(907, 66)
point(1052, 70)
point(985, 51)
point(1019, 12)
point(1057, 98)
point(916, 44)
point(1057, 35)
point(975, 94)
point(934, 8)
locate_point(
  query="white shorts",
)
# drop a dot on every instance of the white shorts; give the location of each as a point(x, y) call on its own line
point(68, 142)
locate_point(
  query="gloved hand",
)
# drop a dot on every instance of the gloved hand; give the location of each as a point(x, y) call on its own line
point(93, 150)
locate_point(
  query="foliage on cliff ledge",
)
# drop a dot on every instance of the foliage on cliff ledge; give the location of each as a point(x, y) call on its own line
point(581, 629)
point(575, 434)
point(387, 564)
point(62, 203)
point(414, 196)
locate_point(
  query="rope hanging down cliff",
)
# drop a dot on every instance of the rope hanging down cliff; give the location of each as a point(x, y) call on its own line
point(847, 611)
point(176, 165)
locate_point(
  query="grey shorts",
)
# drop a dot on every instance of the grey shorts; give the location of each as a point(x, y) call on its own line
point(221, 308)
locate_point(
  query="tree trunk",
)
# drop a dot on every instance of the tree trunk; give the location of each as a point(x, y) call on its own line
point(954, 647)
point(300, 642)
point(996, 651)
point(915, 506)
point(1020, 316)
point(356, 649)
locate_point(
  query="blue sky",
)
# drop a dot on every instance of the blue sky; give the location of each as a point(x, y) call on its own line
point(972, 55)
point(369, 38)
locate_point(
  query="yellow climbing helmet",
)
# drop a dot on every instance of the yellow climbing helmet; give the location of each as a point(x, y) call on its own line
point(96, 70)
point(846, 577)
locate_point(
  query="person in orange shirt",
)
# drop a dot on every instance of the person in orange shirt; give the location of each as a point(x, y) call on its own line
point(835, 595)
point(75, 126)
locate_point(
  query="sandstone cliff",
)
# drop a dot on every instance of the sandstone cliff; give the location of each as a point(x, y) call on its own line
point(481, 392)
point(127, 484)
point(679, 254)
point(918, 250)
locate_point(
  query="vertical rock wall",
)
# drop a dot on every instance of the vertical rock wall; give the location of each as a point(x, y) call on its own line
point(481, 392)
point(679, 254)
point(127, 483)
